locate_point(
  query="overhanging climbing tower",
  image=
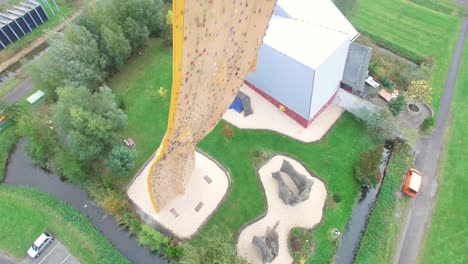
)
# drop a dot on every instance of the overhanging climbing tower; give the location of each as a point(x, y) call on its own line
point(215, 45)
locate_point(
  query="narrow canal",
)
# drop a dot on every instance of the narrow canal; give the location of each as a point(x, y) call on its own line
point(352, 234)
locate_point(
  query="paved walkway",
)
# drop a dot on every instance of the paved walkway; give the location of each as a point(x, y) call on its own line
point(21, 171)
point(427, 162)
point(306, 214)
point(19, 92)
point(6, 259)
point(266, 116)
point(184, 215)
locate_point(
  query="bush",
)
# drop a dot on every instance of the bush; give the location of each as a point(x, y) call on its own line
point(129, 222)
point(121, 159)
point(419, 91)
point(397, 105)
point(381, 125)
point(153, 239)
point(214, 247)
point(228, 131)
point(388, 84)
point(337, 197)
point(174, 252)
point(367, 170)
point(69, 167)
point(427, 124)
point(115, 204)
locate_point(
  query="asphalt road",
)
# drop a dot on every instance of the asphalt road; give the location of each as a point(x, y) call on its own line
point(19, 92)
point(21, 171)
point(427, 162)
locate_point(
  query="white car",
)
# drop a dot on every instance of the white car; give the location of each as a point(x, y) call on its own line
point(40, 244)
point(370, 81)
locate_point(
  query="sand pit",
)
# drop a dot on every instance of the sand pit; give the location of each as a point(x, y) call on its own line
point(305, 214)
point(184, 215)
point(267, 116)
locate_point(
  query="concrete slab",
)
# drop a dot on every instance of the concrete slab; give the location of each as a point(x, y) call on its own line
point(185, 214)
point(268, 117)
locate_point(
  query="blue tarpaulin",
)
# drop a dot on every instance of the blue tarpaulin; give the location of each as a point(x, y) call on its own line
point(237, 105)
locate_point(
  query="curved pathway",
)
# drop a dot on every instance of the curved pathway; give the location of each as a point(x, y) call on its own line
point(429, 151)
point(21, 171)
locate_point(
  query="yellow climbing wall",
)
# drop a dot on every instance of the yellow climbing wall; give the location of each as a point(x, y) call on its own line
point(215, 45)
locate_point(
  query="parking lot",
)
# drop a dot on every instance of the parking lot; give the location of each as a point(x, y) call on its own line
point(55, 253)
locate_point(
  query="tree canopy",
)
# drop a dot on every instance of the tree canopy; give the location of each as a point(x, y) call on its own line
point(86, 123)
point(73, 60)
point(121, 159)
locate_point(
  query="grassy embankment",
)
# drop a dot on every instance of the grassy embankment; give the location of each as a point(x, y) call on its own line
point(26, 213)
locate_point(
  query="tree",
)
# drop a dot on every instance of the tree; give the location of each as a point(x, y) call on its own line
point(419, 91)
point(153, 12)
point(367, 170)
point(73, 60)
point(135, 33)
point(114, 45)
point(122, 159)
point(228, 131)
point(169, 17)
point(13, 111)
point(397, 104)
point(381, 125)
point(217, 248)
point(86, 123)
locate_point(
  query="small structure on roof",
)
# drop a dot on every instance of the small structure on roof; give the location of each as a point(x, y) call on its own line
point(355, 71)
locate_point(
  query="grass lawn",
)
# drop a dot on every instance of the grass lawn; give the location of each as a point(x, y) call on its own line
point(23, 221)
point(39, 31)
point(447, 239)
point(414, 31)
point(331, 159)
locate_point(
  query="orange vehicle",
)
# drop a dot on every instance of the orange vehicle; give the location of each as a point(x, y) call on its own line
point(2, 118)
point(412, 182)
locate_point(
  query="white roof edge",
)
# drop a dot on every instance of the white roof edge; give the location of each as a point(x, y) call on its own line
point(288, 37)
point(322, 13)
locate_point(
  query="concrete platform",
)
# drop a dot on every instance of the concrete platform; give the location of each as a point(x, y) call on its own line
point(306, 214)
point(185, 214)
point(268, 117)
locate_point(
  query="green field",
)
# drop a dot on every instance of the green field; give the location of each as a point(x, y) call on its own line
point(414, 31)
point(26, 213)
point(447, 240)
point(332, 159)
